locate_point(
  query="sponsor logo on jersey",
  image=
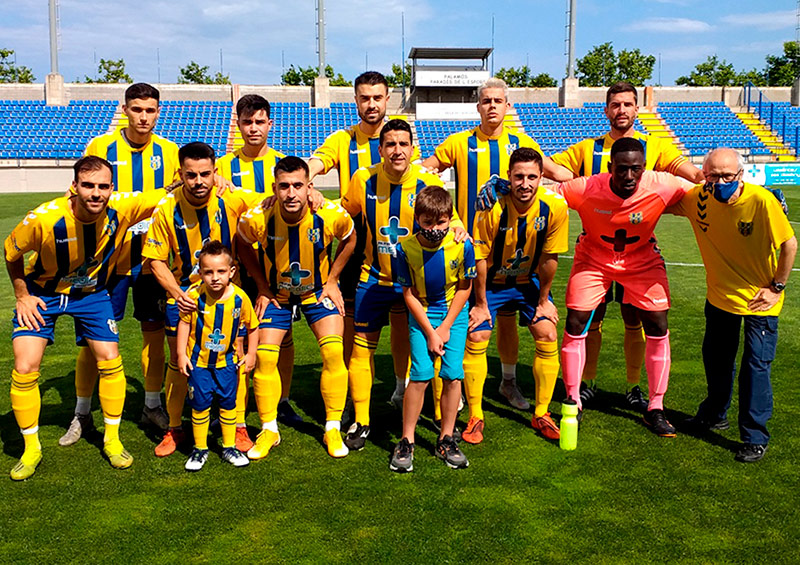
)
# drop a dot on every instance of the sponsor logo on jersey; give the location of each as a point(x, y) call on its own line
point(214, 343)
point(140, 228)
point(477, 150)
point(599, 211)
point(66, 239)
point(240, 174)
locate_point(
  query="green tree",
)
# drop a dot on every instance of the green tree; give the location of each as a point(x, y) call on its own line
point(10, 71)
point(522, 77)
point(110, 70)
point(305, 76)
point(755, 76)
point(782, 70)
point(395, 80)
point(194, 73)
point(634, 67)
point(602, 66)
point(711, 72)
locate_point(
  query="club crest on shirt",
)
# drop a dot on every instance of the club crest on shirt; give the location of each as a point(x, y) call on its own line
point(236, 312)
point(454, 264)
point(539, 223)
point(511, 147)
point(218, 216)
point(313, 235)
point(155, 162)
point(411, 199)
point(111, 226)
point(745, 228)
point(635, 217)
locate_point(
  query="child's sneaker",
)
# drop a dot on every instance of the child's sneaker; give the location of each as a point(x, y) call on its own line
point(196, 460)
point(235, 457)
point(447, 450)
point(403, 457)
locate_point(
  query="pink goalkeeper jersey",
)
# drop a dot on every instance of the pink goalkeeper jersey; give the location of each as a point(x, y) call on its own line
point(612, 226)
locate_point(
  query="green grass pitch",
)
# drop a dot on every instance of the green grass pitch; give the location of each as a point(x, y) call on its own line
point(623, 496)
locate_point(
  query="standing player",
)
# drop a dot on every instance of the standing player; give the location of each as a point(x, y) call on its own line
point(591, 157)
point(73, 241)
point(476, 155)
point(619, 211)
point(182, 223)
point(739, 227)
point(142, 161)
point(251, 167)
point(516, 248)
point(297, 269)
point(382, 198)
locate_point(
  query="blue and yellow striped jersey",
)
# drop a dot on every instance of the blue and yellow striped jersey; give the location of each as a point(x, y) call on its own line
point(153, 166)
point(214, 326)
point(386, 207)
point(592, 156)
point(513, 242)
point(69, 256)
point(253, 174)
point(297, 257)
point(349, 150)
point(476, 157)
point(179, 229)
point(434, 273)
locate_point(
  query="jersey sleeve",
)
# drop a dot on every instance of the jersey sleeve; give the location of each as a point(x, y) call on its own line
point(446, 151)
point(403, 269)
point(352, 200)
point(484, 232)
point(138, 206)
point(159, 240)
point(572, 191)
point(558, 236)
point(245, 200)
point(469, 270)
point(252, 225)
point(682, 206)
point(528, 141)
point(193, 294)
point(328, 152)
point(669, 157)
point(27, 236)
point(570, 158)
point(342, 224)
point(780, 230)
point(248, 315)
point(676, 188)
point(94, 148)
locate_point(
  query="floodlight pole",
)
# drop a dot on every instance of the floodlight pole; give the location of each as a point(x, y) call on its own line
point(571, 48)
point(53, 37)
point(321, 36)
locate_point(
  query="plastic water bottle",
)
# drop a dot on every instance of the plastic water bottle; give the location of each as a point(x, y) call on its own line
point(569, 425)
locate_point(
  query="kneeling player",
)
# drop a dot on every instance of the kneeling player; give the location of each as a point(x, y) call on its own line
point(518, 240)
point(435, 272)
point(297, 269)
point(206, 340)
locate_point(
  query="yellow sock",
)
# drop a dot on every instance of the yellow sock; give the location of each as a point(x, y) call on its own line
point(200, 420)
point(112, 395)
point(26, 402)
point(227, 421)
point(507, 338)
point(475, 369)
point(361, 371)
point(594, 341)
point(436, 390)
point(153, 360)
point(175, 389)
point(286, 366)
point(333, 382)
point(634, 352)
point(241, 396)
point(267, 382)
point(545, 375)
point(85, 373)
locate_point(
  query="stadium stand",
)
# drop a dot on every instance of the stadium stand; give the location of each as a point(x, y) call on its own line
point(702, 126)
point(184, 121)
point(431, 133)
point(31, 130)
point(299, 129)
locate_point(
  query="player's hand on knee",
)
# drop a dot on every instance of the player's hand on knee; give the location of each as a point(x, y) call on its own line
point(28, 314)
point(547, 310)
point(332, 292)
point(478, 315)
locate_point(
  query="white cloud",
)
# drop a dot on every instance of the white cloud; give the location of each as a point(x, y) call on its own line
point(670, 25)
point(764, 21)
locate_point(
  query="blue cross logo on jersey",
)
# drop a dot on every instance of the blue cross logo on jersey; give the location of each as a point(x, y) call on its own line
point(394, 230)
point(518, 259)
point(215, 338)
point(295, 273)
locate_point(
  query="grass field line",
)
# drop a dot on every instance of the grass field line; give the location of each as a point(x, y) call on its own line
point(668, 264)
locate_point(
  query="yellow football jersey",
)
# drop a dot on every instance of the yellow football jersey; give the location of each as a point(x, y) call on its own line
point(297, 257)
point(738, 243)
point(386, 207)
point(179, 229)
point(153, 166)
point(591, 156)
point(512, 242)
point(72, 257)
point(215, 324)
point(253, 174)
point(476, 157)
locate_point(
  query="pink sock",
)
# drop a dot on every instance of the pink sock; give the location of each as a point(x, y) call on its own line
point(657, 360)
point(573, 358)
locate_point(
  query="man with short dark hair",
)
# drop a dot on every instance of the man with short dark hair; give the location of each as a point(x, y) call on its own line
point(739, 227)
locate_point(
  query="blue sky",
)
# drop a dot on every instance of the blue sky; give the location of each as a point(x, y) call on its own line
point(256, 35)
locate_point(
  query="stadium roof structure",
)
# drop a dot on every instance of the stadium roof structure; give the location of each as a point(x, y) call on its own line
point(481, 53)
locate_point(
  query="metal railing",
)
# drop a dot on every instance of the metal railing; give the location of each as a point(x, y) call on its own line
point(758, 104)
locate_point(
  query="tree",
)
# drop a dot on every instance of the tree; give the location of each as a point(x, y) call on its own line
point(305, 76)
point(602, 66)
point(396, 79)
point(193, 73)
point(10, 71)
point(522, 77)
point(110, 70)
point(782, 70)
point(712, 72)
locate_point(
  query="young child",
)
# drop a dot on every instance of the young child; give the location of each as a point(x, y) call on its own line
point(206, 351)
point(436, 274)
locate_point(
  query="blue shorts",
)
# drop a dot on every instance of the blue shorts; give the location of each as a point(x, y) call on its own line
point(525, 299)
point(93, 315)
point(205, 383)
point(453, 359)
point(149, 297)
point(281, 318)
point(172, 316)
point(373, 304)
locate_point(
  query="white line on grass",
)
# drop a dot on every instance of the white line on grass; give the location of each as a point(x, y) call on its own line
point(667, 264)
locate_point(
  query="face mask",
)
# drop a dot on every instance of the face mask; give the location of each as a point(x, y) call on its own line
point(724, 190)
point(433, 235)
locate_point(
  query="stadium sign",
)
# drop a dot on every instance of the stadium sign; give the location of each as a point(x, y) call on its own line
point(447, 111)
point(773, 174)
point(469, 79)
